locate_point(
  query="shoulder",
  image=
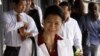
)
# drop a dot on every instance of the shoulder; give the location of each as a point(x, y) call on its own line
point(73, 20)
point(7, 13)
point(27, 16)
point(37, 7)
point(24, 14)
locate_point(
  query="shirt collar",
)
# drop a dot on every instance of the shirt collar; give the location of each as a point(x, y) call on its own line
point(41, 41)
point(15, 12)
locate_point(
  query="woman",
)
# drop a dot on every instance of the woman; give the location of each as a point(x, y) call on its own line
point(35, 12)
point(48, 42)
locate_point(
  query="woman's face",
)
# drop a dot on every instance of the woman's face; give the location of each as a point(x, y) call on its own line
point(28, 5)
point(52, 24)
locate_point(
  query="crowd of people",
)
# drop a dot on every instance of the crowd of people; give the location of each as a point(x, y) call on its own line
point(63, 30)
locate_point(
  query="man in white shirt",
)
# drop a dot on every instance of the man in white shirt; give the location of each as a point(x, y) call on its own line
point(11, 24)
point(70, 29)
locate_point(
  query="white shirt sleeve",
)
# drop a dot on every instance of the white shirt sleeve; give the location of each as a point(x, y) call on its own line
point(32, 26)
point(26, 48)
point(9, 24)
point(77, 37)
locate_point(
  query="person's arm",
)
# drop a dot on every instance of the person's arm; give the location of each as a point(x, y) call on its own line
point(32, 26)
point(77, 36)
point(78, 40)
point(9, 25)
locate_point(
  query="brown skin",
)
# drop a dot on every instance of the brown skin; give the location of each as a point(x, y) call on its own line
point(66, 12)
point(51, 26)
point(20, 7)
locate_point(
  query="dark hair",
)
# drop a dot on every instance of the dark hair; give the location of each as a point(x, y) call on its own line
point(79, 6)
point(71, 2)
point(17, 1)
point(54, 9)
point(92, 6)
point(92, 11)
point(64, 3)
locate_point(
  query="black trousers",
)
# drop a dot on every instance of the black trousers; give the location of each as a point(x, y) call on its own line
point(11, 51)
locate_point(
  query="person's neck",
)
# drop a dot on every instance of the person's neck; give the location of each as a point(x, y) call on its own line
point(48, 37)
point(66, 19)
point(16, 10)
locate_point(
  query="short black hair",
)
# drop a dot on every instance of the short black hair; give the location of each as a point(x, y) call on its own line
point(17, 1)
point(64, 3)
point(54, 9)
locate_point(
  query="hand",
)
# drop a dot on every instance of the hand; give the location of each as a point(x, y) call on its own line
point(26, 25)
point(78, 53)
point(21, 33)
point(29, 34)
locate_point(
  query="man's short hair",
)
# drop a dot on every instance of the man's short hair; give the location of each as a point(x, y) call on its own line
point(17, 1)
point(64, 3)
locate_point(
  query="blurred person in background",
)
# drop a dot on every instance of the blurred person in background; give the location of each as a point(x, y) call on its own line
point(78, 10)
point(91, 22)
point(70, 28)
point(35, 12)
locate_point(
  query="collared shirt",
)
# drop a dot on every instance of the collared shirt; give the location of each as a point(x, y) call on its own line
point(10, 24)
point(63, 48)
point(70, 30)
point(54, 52)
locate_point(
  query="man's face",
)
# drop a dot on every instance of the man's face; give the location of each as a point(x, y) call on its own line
point(21, 6)
point(66, 12)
